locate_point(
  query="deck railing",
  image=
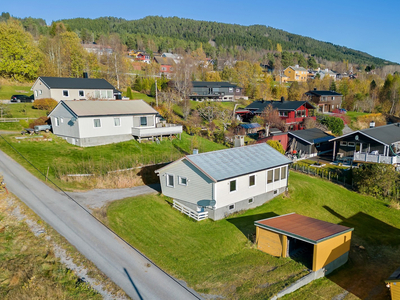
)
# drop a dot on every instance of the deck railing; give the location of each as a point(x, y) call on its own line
point(391, 160)
point(198, 216)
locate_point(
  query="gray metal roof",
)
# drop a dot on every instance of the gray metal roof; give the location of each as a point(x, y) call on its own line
point(76, 83)
point(85, 108)
point(233, 162)
point(313, 135)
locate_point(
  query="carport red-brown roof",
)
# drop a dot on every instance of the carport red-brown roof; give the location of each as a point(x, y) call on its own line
point(298, 226)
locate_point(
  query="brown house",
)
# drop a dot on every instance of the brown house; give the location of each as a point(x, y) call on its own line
point(327, 101)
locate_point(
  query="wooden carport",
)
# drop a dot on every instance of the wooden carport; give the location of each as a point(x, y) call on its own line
point(326, 244)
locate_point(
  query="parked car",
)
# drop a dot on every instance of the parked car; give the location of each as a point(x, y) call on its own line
point(22, 98)
point(342, 111)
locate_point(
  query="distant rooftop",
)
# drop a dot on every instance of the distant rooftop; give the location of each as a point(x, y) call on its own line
point(259, 106)
point(75, 83)
point(311, 136)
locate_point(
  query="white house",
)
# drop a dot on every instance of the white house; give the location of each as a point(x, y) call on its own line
point(93, 123)
point(60, 88)
point(216, 184)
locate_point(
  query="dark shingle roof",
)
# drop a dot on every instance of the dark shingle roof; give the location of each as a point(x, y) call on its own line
point(312, 136)
point(212, 84)
point(259, 106)
point(323, 93)
point(395, 277)
point(76, 83)
point(386, 134)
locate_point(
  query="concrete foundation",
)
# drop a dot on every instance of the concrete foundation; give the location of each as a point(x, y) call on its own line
point(97, 141)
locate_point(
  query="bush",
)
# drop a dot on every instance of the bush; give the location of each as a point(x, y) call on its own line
point(309, 123)
point(334, 124)
point(276, 145)
point(45, 104)
point(39, 121)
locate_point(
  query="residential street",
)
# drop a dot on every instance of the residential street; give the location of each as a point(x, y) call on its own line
point(129, 269)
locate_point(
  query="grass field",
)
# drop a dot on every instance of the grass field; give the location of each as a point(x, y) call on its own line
point(58, 158)
point(6, 91)
point(28, 267)
point(354, 114)
point(218, 258)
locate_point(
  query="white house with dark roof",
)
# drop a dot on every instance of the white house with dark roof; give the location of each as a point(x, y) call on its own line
point(218, 183)
point(60, 88)
point(93, 123)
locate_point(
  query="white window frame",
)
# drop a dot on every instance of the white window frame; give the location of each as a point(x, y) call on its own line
point(83, 93)
point(180, 180)
point(56, 122)
point(119, 121)
point(231, 206)
point(351, 144)
point(255, 182)
point(141, 121)
point(40, 92)
point(272, 180)
point(167, 176)
point(94, 123)
point(64, 92)
point(61, 120)
point(230, 181)
point(250, 201)
point(279, 174)
point(285, 173)
point(343, 143)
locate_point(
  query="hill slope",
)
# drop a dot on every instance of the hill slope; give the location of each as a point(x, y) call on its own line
point(225, 35)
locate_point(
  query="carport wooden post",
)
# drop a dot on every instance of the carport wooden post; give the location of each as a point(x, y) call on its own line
point(284, 246)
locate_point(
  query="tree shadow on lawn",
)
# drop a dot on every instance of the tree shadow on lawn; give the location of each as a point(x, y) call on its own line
point(246, 223)
point(374, 255)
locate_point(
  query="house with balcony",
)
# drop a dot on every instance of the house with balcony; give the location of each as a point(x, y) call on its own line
point(218, 183)
point(92, 123)
point(293, 113)
point(327, 101)
point(309, 142)
point(372, 145)
point(215, 91)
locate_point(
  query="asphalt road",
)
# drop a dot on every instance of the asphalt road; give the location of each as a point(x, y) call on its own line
point(129, 269)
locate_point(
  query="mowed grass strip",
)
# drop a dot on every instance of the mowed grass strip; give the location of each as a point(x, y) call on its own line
point(58, 158)
point(218, 258)
point(6, 91)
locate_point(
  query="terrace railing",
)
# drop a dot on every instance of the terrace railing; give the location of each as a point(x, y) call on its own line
point(376, 158)
point(198, 216)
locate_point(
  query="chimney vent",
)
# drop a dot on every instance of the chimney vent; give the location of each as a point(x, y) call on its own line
point(372, 124)
point(239, 141)
point(195, 151)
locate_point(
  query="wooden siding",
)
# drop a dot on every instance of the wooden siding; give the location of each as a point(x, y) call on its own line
point(395, 290)
point(199, 186)
point(271, 242)
point(331, 249)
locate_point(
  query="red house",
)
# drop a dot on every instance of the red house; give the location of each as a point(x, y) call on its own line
point(292, 112)
point(143, 57)
point(167, 65)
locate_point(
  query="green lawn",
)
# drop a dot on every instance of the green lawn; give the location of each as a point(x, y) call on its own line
point(60, 158)
point(148, 99)
point(24, 110)
point(354, 114)
point(217, 257)
point(6, 91)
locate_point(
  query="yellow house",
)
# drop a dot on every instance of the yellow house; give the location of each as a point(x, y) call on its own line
point(317, 244)
point(393, 283)
point(296, 73)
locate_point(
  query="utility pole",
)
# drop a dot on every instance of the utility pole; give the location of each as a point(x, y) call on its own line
point(156, 94)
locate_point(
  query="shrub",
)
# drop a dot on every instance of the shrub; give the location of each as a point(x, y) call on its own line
point(276, 145)
point(45, 104)
point(309, 123)
point(334, 124)
point(39, 121)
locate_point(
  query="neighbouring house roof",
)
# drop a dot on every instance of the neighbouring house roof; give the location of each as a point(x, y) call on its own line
point(387, 134)
point(212, 84)
point(250, 125)
point(75, 83)
point(311, 136)
point(259, 106)
point(323, 93)
point(90, 108)
point(395, 277)
point(296, 68)
point(304, 228)
point(168, 61)
point(229, 163)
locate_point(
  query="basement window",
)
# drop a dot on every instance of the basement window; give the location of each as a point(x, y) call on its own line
point(231, 207)
point(250, 201)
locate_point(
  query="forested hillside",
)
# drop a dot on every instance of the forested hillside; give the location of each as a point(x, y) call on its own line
point(255, 37)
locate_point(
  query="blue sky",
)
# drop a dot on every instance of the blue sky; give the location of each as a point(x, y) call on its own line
point(365, 25)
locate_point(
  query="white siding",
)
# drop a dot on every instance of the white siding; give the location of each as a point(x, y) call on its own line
point(73, 94)
point(199, 187)
point(65, 127)
point(243, 191)
point(107, 128)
